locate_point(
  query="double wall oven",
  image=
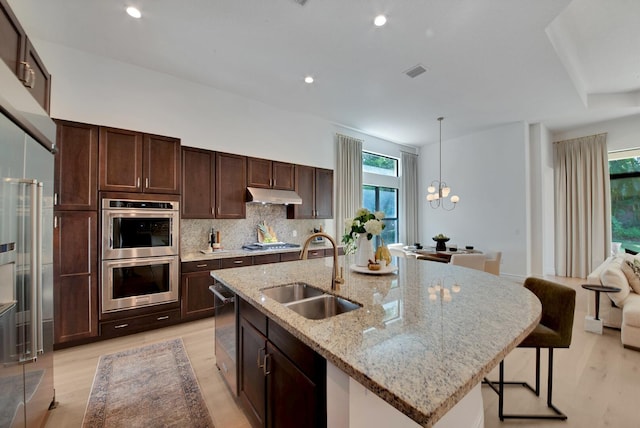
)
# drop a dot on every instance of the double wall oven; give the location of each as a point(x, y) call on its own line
point(140, 248)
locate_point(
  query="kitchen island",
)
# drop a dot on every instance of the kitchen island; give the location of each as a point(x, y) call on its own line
point(415, 348)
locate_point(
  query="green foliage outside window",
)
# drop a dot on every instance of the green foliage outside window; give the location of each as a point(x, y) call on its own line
point(625, 202)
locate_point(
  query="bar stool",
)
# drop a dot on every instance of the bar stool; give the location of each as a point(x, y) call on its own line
point(553, 331)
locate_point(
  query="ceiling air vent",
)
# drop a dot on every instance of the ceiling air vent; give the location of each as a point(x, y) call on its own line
point(415, 71)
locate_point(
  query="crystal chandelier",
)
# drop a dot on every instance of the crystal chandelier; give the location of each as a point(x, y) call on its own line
point(438, 191)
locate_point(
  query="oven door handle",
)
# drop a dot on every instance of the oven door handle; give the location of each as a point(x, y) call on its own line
point(224, 299)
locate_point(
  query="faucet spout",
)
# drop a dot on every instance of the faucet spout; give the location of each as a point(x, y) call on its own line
point(337, 272)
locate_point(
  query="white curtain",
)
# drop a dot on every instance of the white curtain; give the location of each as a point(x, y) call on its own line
point(583, 209)
point(348, 180)
point(409, 198)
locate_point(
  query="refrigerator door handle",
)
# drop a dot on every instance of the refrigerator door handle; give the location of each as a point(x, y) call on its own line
point(38, 251)
point(33, 288)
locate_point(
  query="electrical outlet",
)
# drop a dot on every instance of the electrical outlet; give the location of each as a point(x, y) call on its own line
point(294, 233)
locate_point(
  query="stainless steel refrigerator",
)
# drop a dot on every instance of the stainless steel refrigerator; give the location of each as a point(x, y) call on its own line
point(26, 267)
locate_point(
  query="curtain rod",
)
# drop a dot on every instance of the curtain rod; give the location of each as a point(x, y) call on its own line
point(348, 136)
point(578, 138)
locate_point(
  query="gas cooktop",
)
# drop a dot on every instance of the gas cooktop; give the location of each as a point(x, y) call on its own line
point(258, 246)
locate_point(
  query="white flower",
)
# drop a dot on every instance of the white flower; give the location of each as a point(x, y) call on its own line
point(362, 212)
point(379, 215)
point(373, 227)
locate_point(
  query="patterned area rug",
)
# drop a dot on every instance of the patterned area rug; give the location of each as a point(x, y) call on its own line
point(152, 386)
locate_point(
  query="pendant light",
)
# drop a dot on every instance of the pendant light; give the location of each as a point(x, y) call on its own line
point(438, 191)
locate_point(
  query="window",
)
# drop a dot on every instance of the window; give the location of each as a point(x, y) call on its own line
point(383, 199)
point(625, 202)
point(380, 192)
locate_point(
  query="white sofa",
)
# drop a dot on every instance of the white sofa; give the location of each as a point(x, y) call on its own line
point(622, 309)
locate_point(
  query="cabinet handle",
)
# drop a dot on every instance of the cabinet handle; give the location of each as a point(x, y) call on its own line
point(138, 182)
point(55, 199)
point(121, 326)
point(238, 262)
point(55, 222)
point(33, 79)
point(201, 266)
point(265, 369)
point(146, 182)
point(260, 351)
point(166, 317)
point(28, 74)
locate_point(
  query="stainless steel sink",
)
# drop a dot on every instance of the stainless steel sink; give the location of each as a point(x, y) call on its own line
point(292, 292)
point(321, 307)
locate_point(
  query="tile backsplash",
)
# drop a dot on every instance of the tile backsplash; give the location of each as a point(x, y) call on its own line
point(194, 234)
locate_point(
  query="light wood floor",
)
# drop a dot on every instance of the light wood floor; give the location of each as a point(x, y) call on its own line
point(596, 381)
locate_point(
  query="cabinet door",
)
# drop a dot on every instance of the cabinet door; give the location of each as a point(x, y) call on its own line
point(161, 164)
point(76, 166)
point(120, 160)
point(37, 78)
point(305, 183)
point(252, 382)
point(259, 173)
point(75, 261)
point(12, 40)
point(292, 398)
point(324, 193)
point(198, 190)
point(231, 186)
point(283, 176)
point(196, 300)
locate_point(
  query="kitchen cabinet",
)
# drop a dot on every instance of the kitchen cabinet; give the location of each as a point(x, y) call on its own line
point(198, 183)
point(76, 166)
point(134, 162)
point(139, 323)
point(75, 284)
point(282, 381)
point(196, 301)
point(230, 186)
point(270, 174)
point(19, 54)
point(315, 187)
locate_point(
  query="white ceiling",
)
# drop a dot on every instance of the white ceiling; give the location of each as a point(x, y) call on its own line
point(490, 62)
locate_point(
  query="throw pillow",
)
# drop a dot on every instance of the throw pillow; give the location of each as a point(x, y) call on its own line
point(631, 270)
point(612, 275)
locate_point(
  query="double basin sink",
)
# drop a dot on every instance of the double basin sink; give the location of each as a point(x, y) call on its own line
point(310, 302)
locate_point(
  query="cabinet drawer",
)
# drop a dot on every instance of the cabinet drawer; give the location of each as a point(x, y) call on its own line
point(290, 256)
point(202, 265)
point(232, 262)
point(266, 258)
point(135, 324)
point(253, 316)
point(315, 253)
point(329, 251)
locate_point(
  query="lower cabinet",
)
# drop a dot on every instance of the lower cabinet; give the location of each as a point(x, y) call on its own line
point(196, 301)
point(282, 381)
point(136, 324)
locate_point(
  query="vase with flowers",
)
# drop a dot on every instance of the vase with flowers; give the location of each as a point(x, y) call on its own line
point(358, 234)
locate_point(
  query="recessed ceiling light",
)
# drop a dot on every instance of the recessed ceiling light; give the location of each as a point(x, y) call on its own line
point(308, 79)
point(380, 20)
point(134, 12)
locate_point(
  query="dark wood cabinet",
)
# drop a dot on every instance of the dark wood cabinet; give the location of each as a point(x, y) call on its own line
point(134, 162)
point(75, 287)
point(198, 183)
point(282, 381)
point(230, 186)
point(196, 301)
point(19, 54)
point(76, 166)
point(270, 174)
point(134, 324)
point(315, 187)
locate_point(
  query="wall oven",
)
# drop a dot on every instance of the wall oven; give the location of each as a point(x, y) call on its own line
point(140, 247)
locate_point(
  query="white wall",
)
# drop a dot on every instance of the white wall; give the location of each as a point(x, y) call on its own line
point(622, 133)
point(489, 171)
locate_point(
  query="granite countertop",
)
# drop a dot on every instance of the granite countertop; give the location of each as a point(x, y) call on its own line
point(196, 255)
point(420, 355)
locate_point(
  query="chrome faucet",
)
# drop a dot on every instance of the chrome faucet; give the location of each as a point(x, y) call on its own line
point(337, 273)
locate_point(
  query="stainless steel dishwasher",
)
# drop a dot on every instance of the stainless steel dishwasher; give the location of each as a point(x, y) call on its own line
point(226, 336)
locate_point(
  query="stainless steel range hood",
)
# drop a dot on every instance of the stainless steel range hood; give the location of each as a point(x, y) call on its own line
point(273, 196)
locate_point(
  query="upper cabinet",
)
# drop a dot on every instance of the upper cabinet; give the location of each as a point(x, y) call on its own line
point(269, 174)
point(134, 162)
point(76, 166)
point(230, 186)
point(18, 53)
point(315, 187)
point(198, 178)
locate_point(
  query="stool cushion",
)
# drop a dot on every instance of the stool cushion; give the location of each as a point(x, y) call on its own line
point(542, 337)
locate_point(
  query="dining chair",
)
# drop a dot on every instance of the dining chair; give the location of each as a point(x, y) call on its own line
point(396, 249)
point(473, 261)
point(492, 262)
